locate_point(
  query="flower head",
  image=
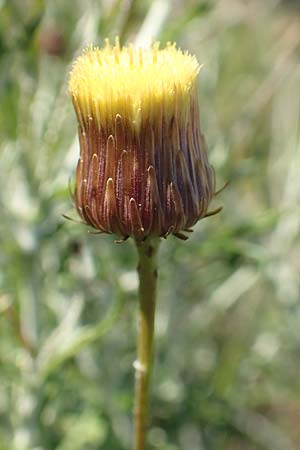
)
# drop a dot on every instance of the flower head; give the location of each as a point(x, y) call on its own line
point(143, 169)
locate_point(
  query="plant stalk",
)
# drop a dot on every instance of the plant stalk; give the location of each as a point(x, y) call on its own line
point(147, 271)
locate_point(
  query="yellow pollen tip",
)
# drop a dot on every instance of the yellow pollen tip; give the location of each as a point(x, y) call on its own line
point(130, 81)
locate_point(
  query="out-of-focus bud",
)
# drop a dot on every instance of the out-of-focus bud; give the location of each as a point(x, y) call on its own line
point(143, 168)
point(51, 41)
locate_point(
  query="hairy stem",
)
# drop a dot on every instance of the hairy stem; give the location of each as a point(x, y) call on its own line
point(147, 270)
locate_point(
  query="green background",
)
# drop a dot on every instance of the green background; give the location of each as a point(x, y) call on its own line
point(227, 359)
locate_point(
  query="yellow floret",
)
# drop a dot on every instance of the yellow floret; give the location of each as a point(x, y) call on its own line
point(131, 82)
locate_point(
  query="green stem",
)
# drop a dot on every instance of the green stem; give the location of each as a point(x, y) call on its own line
point(147, 270)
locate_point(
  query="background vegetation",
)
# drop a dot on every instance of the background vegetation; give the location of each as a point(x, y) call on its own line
point(228, 341)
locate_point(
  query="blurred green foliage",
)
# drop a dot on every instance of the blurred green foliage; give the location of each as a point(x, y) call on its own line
point(227, 333)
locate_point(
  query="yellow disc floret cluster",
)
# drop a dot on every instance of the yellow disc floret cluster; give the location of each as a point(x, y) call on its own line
point(131, 82)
